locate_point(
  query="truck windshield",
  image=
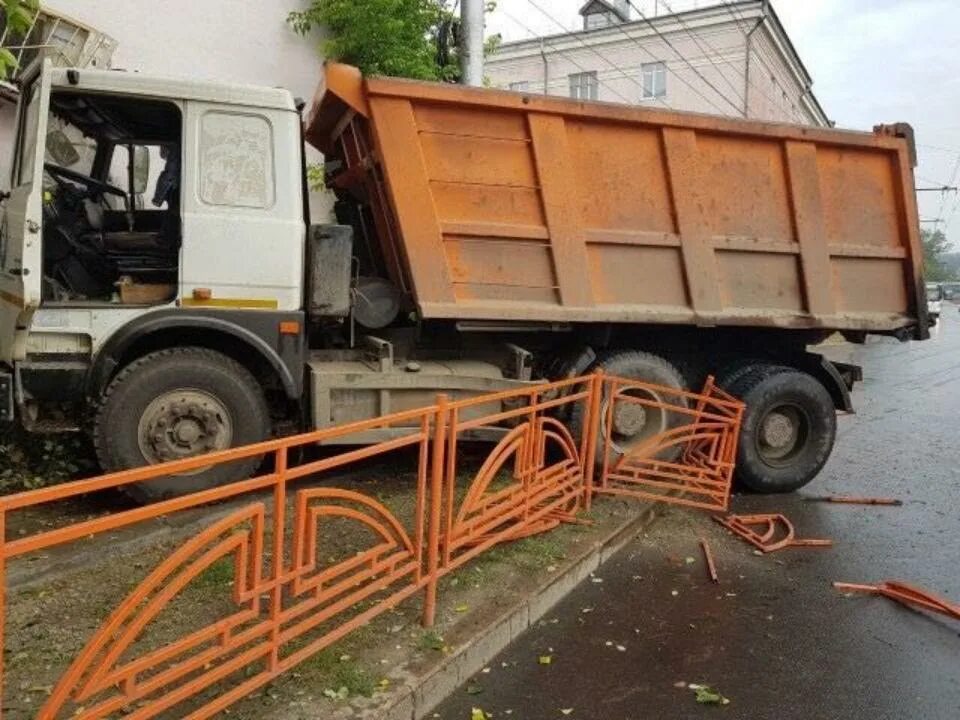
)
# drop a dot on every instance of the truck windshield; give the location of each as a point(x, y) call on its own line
point(934, 293)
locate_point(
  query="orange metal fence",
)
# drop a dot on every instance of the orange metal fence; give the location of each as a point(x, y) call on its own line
point(690, 462)
point(289, 601)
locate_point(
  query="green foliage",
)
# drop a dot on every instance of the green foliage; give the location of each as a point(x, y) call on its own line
point(31, 461)
point(19, 15)
point(936, 259)
point(400, 38)
point(381, 37)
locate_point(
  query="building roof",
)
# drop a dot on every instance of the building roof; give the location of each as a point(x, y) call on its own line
point(592, 6)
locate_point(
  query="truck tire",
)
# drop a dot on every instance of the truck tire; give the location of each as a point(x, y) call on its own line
point(631, 428)
point(177, 403)
point(789, 428)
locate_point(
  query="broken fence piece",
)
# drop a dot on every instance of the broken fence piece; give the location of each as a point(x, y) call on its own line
point(905, 594)
point(847, 500)
point(768, 533)
point(708, 556)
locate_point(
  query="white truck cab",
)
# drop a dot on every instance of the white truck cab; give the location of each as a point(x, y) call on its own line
point(111, 171)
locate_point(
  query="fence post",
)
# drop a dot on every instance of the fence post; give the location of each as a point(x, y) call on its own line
point(436, 500)
point(3, 600)
point(279, 532)
point(592, 429)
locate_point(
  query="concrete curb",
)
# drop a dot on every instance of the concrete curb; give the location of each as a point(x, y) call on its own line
point(417, 698)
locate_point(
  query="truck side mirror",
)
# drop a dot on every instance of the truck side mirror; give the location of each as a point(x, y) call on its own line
point(141, 169)
point(61, 149)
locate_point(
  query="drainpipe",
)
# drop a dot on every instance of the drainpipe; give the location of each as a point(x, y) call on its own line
point(746, 74)
point(546, 68)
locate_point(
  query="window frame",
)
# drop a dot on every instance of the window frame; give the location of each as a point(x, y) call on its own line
point(589, 90)
point(654, 69)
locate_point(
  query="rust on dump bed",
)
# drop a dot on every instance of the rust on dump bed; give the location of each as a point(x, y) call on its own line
point(499, 205)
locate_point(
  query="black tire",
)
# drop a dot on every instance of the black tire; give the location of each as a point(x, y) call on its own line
point(789, 428)
point(645, 367)
point(226, 408)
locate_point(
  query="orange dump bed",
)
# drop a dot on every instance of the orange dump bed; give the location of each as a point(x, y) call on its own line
point(499, 205)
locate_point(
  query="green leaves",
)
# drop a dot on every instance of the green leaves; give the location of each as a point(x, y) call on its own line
point(19, 16)
point(399, 38)
point(707, 695)
point(381, 37)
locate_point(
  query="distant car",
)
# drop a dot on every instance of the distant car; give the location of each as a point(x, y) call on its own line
point(934, 300)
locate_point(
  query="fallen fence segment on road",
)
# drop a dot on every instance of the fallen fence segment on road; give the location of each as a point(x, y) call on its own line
point(848, 500)
point(776, 532)
point(289, 599)
point(905, 594)
point(708, 557)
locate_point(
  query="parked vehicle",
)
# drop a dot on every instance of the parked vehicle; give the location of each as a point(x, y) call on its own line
point(935, 298)
point(162, 286)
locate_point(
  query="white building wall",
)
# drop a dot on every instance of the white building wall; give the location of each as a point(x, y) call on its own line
point(706, 61)
point(223, 40)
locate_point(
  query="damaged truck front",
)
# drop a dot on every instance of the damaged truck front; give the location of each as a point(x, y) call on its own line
point(161, 283)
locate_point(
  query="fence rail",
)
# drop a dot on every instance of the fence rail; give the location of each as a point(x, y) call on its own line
point(289, 601)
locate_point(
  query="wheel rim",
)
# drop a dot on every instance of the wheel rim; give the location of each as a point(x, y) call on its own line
point(782, 434)
point(633, 424)
point(183, 423)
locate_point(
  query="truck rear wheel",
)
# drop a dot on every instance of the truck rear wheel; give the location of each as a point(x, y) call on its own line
point(789, 428)
point(178, 403)
point(635, 424)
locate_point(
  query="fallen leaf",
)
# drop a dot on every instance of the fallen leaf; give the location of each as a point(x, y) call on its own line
point(462, 608)
point(545, 659)
point(478, 714)
point(707, 695)
point(474, 689)
point(690, 560)
point(566, 711)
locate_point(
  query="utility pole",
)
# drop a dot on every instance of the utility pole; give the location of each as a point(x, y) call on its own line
point(471, 46)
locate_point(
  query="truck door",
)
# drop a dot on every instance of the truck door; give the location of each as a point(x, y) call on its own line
point(21, 247)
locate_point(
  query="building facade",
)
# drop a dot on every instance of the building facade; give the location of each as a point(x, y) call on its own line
point(220, 40)
point(729, 58)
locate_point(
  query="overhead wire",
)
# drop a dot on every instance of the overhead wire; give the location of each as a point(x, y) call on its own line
point(680, 55)
point(740, 22)
point(573, 62)
point(713, 53)
point(682, 79)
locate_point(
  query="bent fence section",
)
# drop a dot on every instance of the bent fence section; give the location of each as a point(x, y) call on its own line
point(290, 600)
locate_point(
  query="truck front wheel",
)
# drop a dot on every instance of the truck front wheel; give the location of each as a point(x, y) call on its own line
point(177, 403)
point(789, 427)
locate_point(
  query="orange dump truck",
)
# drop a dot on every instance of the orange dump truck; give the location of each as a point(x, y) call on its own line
point(658, 245)
point(484, 239)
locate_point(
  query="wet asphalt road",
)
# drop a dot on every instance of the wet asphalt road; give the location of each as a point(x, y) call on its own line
point(773, 636)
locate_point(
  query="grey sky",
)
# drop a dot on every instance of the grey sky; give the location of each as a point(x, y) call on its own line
point(872, 61)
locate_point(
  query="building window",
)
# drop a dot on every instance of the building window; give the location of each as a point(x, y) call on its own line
point(597, 20)
point(584, 86)
point(520, 86)
point(654, 80)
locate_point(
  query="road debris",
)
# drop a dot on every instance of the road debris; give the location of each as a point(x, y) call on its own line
point(708, 556)
point(905, 594)
point(776, 532)
point(707, 695)
point(851, 500)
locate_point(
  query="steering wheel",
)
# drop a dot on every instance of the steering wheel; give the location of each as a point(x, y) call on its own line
point(94, 186)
